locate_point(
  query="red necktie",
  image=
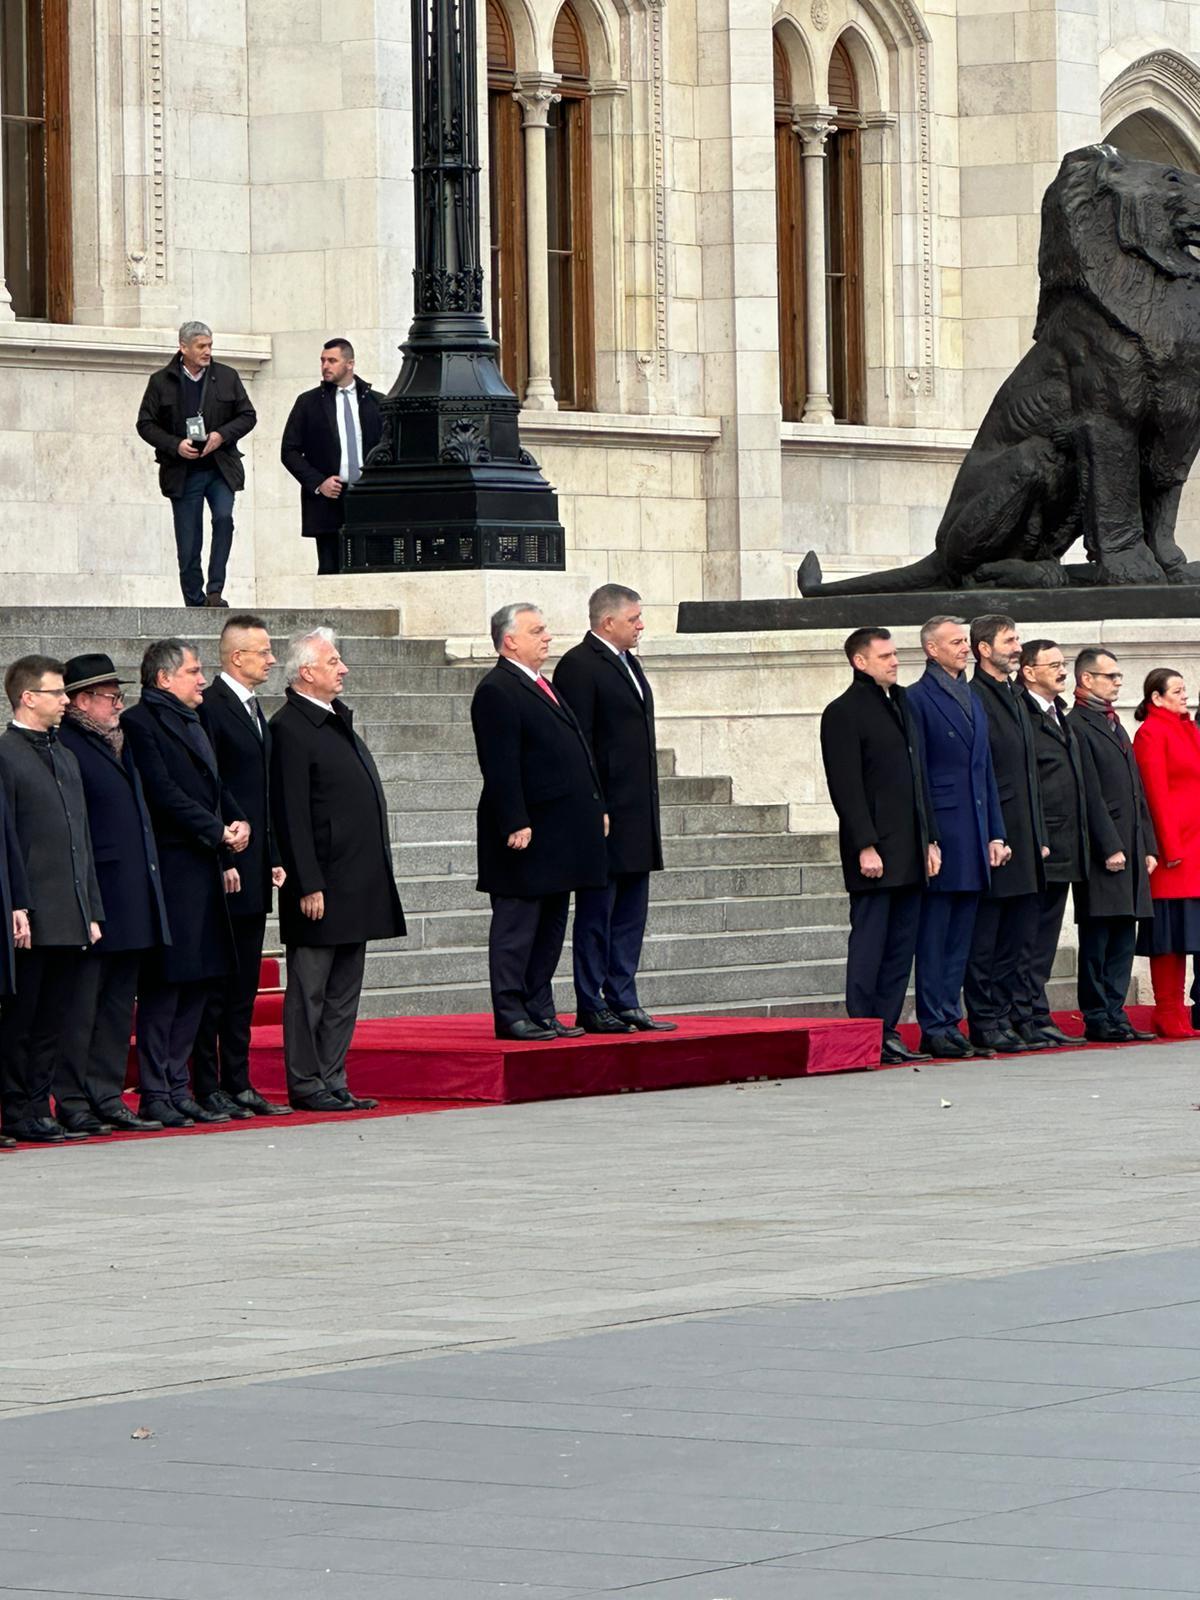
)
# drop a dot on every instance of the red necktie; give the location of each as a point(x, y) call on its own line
point(542, 684)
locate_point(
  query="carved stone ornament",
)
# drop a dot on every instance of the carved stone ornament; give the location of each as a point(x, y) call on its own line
point(820, 14)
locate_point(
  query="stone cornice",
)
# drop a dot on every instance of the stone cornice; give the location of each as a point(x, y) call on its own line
point(887, 444)
point(69, 345)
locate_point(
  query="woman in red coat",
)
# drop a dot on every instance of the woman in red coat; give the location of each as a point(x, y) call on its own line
point(1167, 747)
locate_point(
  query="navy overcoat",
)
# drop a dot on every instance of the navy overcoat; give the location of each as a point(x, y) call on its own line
point(962, 784)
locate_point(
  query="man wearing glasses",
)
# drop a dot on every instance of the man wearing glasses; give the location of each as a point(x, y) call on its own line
point(44, 791)
point(1116, 891)
point(97, 1026)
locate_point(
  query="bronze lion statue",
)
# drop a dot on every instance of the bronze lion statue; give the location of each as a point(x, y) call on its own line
point(1095, 432)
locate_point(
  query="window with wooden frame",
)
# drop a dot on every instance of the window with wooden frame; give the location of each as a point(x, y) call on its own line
point(35, 157)
point(569, 221)
point(506, 187)
point(789, 233)
point(844, 244)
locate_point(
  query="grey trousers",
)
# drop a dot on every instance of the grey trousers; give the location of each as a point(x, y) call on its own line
point(319, 1012)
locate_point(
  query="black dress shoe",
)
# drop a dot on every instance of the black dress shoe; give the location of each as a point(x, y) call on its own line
point(319, 1102)
point(250, 1100)
point(1015, 1045)
point(39, 1130)
point(560, 1029)
point(188, 1107)
point(1033, 1036)
point(946, 1046)
point(122, 1120)
point(603, 1022)
point(643, 1021)
point(1129, 1033)
point(899, 1050)
point(165, 1114)
point(84, 1123)
point(1106, 1033)
point(524, 1031)
point(991, 1042)
point(223, 1107)
point(1055, 1035)
point(354, 1102)
point(6, 1143)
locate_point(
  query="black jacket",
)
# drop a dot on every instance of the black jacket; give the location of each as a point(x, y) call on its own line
point(876, 780)
point(190, 808)
point(618, 723)
point(50, 817)
point(331, 824)
point(226, 408)
point(1014, 761)
point(14, 894)
point(244, 762)
point(123, 845)
point(1064, 767)
point(1122, 822)
point(312, 451)
point(538, 773)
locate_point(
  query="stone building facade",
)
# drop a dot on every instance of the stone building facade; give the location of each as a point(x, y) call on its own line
point(756, 271)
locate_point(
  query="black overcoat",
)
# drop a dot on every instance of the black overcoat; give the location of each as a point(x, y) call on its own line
point(243, 760)
point(123, 844)
point(226, 409)
point(1122, 823)
point(876, 781)
point(311, 450)
point(538, 773)
point(1014, 762)
point(1064, 767)
point(618, 723)
point(50, 818)
point(14, 894)
point(331, 826)
point(190, 808)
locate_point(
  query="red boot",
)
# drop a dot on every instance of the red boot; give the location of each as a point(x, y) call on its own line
point(1172, 1018)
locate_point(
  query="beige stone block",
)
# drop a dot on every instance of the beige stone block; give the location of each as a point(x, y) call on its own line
point(297, 217)
point(685, 268)
point(348, 19)
point(992, 342)
point(999, 191)
point(639, 472)
point(287, 290)
point(995, 90)
point(756, 270)
point(352, 287)
point(681, 217)
point(687, 576)
point(713, 120)
point(40, 399)
point(283, 22)
point(78, 468)
point(206, 77)
point(226, 281)
point(350, 144)
point(18, 469)
point(990, 241)
point(218, 148)
point(685, 164)
point(673, 525)
point(985, 40)
point(683, 321)
point(209, 213)
point(574, 469)
point(376, 73)
point(988, 141)
point(289, 76)
point(686, 477)
point(41, 540)
point(992, 291)
point(287, 148)
point(651, 574)
point(126, 538)
point(608, 522)
point(220, 22)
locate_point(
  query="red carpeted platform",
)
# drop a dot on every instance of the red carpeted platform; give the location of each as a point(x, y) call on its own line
point(1071, 1022)
point(459, 1058)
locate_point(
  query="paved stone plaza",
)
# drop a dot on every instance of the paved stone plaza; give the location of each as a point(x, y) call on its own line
point(628, 1345)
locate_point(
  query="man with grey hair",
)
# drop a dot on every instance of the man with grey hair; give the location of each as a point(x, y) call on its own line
point(601, 679)
point(331, 826)
point(540, 824)
point(193, 413)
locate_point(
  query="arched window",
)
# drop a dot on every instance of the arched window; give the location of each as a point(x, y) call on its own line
point(35, 157)
point(789, 233)
point(1150, 136)
point(506, 187)
point(569, 207)
point(843, 243)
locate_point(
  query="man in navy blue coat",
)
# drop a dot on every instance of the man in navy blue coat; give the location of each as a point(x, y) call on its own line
point(968, 824)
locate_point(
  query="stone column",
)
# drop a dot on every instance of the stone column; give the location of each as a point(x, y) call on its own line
point(535, 95)
point(813, 124)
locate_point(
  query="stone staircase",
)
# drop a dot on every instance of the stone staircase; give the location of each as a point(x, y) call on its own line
point(747, 917)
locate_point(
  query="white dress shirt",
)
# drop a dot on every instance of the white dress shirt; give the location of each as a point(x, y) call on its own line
point(339, 406)
point(245, 696)
point(623, 657)
point(312, 699)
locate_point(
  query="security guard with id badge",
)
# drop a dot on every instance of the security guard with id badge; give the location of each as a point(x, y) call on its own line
point(194, 412)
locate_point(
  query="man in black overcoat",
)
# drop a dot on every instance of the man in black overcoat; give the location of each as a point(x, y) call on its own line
point(877, 785)
point(1007, 918)
point(331, 822)
point(45, 797)
point(241, 739)
point(97, 1028)
point(540, 824)
point(602, 681)
point(327, 438)
point(1116, 892)
point(14, 915)
point(200, 830)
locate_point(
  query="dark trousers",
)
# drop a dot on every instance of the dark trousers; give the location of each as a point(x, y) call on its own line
point(524, 943)
point(1030, 1002)
point(31, 1028)
point(329, 552)
point(610, 924)
point(168, 1015)
point(943, 946)
point(879, 958)
point(1106, 948)
point(221, 1054)
point(320, 1008)
point(203, 483)
point(96, 1032)
point(1004, 929)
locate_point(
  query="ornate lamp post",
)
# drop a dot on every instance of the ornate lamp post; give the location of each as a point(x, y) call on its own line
point(449, 487)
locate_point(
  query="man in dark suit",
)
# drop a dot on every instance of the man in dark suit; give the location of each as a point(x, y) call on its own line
point(1007, 914)
point(540, 824)
point(877, 786)
point(1064, 771)
point(327, 438)
point(602, 681)
point(241, 739)
point(96, 1029)
point(193, 412)
point(331, 821)
point(200, 829)
point(49, 815)
point(1116, 891)
point(14, 916)
point(968, 825)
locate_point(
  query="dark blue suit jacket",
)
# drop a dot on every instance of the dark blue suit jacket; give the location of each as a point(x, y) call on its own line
point(962, 785)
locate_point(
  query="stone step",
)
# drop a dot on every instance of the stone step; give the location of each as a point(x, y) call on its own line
point(424, 796)
point(435, 766)
point(433, 858)
point(676, 821)
point(161, 622)
point(127, 650)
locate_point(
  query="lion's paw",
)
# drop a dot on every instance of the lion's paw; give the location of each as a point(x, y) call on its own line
point(1188, 572)
point(1130, 566)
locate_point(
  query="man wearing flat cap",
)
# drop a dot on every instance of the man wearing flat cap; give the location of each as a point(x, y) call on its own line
point(97, 1027)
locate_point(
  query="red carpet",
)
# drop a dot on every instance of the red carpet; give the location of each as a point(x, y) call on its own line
point(458, 1058)
point(1070, 1022)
